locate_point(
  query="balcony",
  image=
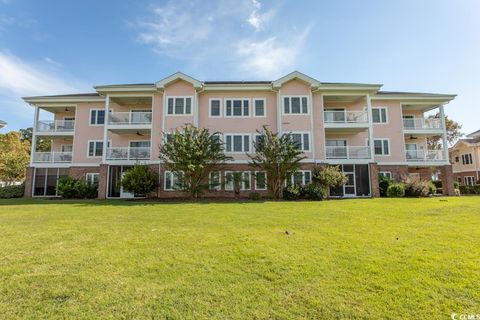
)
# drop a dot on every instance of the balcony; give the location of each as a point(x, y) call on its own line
point(422, 126)
point(126, 122)
point(419, 156)
point(348, 152)
point(140, 153)
point(341, 120)
point(52, 157)
point(55, 127)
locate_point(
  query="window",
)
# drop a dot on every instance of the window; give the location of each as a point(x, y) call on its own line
point(215, 108)
point(95, 148)
point(382, 147)
point(67, 148)
point(259, 105)
point(258, 140)
point(45, 181)
point(240, 177)
point(295, 105)
point(215, 180)
point(97, 116)
point(301, 177)
point(92, 178)
point(467, 158)
point(379, 115)
point(260, 180)
point(386, 174)
point(237, 108)
point(237, 143)
point(172, 180)
point(469, 181)
point(302, 139)
point(179, 105)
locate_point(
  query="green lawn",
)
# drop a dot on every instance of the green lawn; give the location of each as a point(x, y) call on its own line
point(381, 258)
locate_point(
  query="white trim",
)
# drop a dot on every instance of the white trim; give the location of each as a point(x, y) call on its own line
point(384, 173)
point(380, 115)
point(178, 76)
point(242, 108)
point(254, 109)
point(296, 75)
point(173, 176)
point(290, 105)
point(219, 187)
point(302, 138)
point(383, 154)
point(184, 106)
point(466, 182)
point(242, 186)
point(92, 174)
point(104, 149)
point(292, 178)
point(210, 107)
point(224, 140)
point(105, 120)
point(266, 180)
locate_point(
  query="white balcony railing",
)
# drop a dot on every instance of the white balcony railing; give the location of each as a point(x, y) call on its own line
point(422, 124)
point(129, 118)
point(140, 153)
point(337, 116)
point(348, 152)
point(424, 155)
point(55, 126)
point(52, 157)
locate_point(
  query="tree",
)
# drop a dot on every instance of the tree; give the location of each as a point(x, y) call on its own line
point(453, 133)
point(236, 179)
point(277, 155)
point(328, 177)
point(14, 157)
point(192, 153)
point(140, 180)
point(43, 145)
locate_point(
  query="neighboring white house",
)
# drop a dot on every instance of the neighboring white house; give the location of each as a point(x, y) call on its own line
point(2, 124)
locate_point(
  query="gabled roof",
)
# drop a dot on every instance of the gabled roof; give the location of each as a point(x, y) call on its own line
point(474, 134)
point(90, 96)
point(178, 76)
point(2, 124)
point(295, 75)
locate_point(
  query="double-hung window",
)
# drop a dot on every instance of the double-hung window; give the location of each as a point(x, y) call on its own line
point(97, 117)
point(467, 158)
point(301, 177)
point(237, 143)
point(469, 180)
point(379, 115)
point(260, 180)
point(179, 105)
point(214, 180)
point(295, 105)
point(172, 180)
point(386, 174)
point(258, 140)
point(92, 178)
point(237, 108)
point(95, 148)
point(242, 178)
point(259, 107)
point(302, 139)
point(215, 108)
point(381, 147)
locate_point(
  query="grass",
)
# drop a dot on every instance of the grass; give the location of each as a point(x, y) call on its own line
point(381, 258)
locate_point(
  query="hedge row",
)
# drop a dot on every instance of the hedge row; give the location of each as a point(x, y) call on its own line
point(8, 192)
point(475, 189)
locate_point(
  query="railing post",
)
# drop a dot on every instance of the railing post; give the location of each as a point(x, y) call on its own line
point(444, 133)
point(370, 126)
point(34, 135)
point(105, 129)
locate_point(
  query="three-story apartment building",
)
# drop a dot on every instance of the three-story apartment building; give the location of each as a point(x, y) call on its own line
point(465, 159)
point(97, 136)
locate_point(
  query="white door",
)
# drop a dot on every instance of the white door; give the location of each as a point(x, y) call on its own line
point(349, 187)
point(409, 122)
point(411, 151)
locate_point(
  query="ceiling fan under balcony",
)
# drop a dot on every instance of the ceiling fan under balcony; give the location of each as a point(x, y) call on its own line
point(139, 134)
point(413, 138)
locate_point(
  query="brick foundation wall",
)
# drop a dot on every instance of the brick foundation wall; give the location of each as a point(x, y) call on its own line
point(102, 181)
point(375, 190)
point(28, 182)
point(81, 172)
point(398, 172)
point(461, 175)
point(425, 172)
point(447, 180)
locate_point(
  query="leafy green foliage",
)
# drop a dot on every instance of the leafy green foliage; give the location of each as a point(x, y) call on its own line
point(70, 188)
point(14, 157)
point(432, 189)
point(415, 187)
point(43, 145)
point(292, 192)
point(396, 190)
point(453, 133)
point(328, 177)
point(383, 184)
point(277, 155)
point(195, 152)
point(475, 189)
point(140, 180)
point(15, 191)
point(254, 196)
point(313, 191)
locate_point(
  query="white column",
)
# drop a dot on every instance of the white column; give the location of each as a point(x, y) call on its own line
point(444, 134)
point(34, 134)
point(279, 111)
point(370, 127)
point(195, 110)
point(312, 128)
point(105, 130)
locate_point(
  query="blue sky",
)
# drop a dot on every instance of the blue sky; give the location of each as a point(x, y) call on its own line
point(54, 47)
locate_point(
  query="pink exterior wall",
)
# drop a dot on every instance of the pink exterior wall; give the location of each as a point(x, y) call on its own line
point(157, 116)
point(85, 132)
point(318, 131)
point(179, 88)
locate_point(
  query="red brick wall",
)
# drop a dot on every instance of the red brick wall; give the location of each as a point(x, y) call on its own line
point(465, 174)
point(398, 172)
point(374, 180)
point(425, 172)
point(28, 182)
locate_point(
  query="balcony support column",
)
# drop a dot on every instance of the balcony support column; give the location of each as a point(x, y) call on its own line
point(34, 135)
point(105, 129)
point(370, 126)
point(444, 133)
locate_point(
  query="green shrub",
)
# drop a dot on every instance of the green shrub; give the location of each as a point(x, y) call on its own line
point(293, 192)
point(437, 183)
point(396, 190)
point(8, 192)
point(416, 188)
point(432, 188)
point(313, 191)
point(70, 188)
point(140, 180)
point(475, 189)
point(383, 184)
point(456, 184)
point(254, 196)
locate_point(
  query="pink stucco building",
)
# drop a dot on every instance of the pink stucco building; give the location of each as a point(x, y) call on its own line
point(97, 136)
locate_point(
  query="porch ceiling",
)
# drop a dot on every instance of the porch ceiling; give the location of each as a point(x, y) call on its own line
point(132, 101)
point(343, 98)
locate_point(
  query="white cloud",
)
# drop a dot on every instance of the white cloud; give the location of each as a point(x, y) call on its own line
point(270, 58)
point(256, 19)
